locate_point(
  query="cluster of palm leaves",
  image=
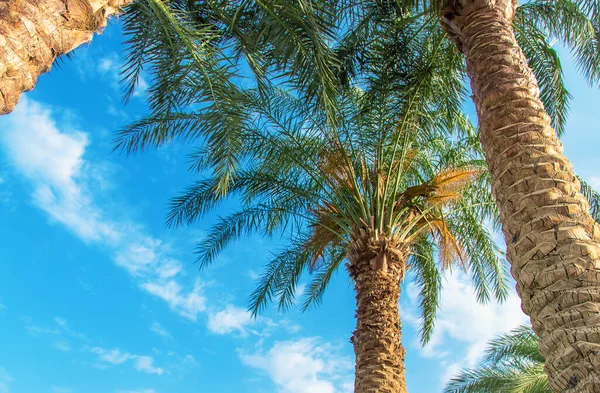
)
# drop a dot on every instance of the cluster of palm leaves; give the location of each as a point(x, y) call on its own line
point(353, 119)
point(327, 118)
point(317, 177)
point(512, 364)
point(340, 126)
point(317, 184)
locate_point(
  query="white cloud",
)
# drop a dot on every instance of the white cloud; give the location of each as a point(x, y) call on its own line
point(253, 274)
point(462, 319)
point(146, 256)
point(112, 356)
point(302, 366)
point(60, 330)
point(60, 322)
point(5, 380)
point(68, 188)
point(146, 364)
point(109, 68)
point(53, 161)
point(62, 346)
point(160, 330)
point(39, 330)
point(231, 319)
point(141, 88)
point(106, 64)
point(189, 360)
point(117, 357)
point(188, 305)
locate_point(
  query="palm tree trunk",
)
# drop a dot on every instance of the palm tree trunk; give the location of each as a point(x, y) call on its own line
point(553, 242)
point(377, 339)
point(34, 32)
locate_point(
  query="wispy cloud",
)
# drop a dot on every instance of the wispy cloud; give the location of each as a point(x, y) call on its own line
point(595, 182)
point(5, 380)
point(160, 330)
point(303, 366)
point(62, 346)
point(59, 329)
point(66, 186)
point(231, 319)
point(70, 189)
point(35, 330)
point(6, 194)
point(459, 308)
point(146, 364)
point(188, 305)
point(117, 357)
point(109, 68)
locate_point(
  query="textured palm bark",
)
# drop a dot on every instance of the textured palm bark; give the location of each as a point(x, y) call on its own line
point(377, 339)
point(34, 32)
point(553, 242)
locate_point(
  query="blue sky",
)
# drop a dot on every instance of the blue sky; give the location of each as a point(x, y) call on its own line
point(97, 296)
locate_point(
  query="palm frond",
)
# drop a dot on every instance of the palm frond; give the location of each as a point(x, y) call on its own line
point(512, 364)
point(576, 23)
point(545, 64)
point(593, 198)
point(428, 280)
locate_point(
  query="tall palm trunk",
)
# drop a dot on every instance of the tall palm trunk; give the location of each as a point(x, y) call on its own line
point(553, 242)
point(377, 338)
point(34, 32)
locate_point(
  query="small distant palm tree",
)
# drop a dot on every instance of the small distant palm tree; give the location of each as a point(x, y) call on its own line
point(513, 364)
point(370, 193)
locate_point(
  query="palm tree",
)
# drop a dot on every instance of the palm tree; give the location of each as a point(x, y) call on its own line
point(553, 242)
point(513, 364)
point(366, 181)
point(370, 193)
point(35, 32)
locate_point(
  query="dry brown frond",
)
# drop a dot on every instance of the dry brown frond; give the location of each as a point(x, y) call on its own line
point(449, 247)
point(453, 181)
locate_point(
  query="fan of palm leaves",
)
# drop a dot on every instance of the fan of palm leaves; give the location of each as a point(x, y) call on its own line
point(317, 184)
point(370, 32)
point(198, 53)
point(512, 364)
point(401, 161)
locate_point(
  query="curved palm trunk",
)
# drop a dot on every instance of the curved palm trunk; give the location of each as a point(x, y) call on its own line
point(377, 338)
point(553, 242)
point(34, 32)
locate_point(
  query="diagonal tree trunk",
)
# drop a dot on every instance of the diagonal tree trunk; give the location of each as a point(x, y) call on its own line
point(553, 242)
point(377, 338)
point(34, 32)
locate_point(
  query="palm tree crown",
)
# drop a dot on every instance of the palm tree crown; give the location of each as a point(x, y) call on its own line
point(369, 183)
